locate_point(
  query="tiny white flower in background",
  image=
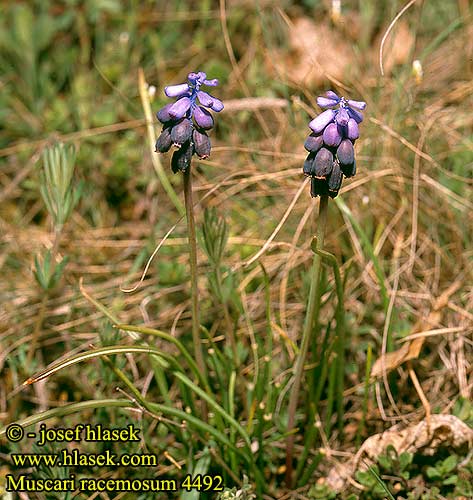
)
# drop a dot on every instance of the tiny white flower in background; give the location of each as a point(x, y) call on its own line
point(417, 71)
point(336, 10)
point(254, 446)
point(124, 37)
point(151, 91)
point(365, 200)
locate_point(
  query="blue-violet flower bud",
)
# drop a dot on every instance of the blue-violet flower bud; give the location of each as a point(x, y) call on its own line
point(356, 115)
point(163, 114)
point(353, 132)
point(345, 152)
point(320, 122)
point(201, 144)
point(335, 180)
point(313, 143)
point(164, 142)
point(323, 163)
point(331, 95)
point(176, 90)
point(181, 132)
point(203, 118)
point(180, 108)
point(325, 102)
point(332, 136)
point(342, 117)
point(309, 167)
point(181, 158)
point(361, 105)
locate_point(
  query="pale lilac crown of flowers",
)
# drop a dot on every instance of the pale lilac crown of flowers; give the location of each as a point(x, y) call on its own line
point(187, 120)
point(331, 153)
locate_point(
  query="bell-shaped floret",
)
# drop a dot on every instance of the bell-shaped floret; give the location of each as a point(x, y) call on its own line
point(313, 143)
point(346, 152)
point(321, 121)
point(181, 132)
point(180, 108)
point(176, 90)
point(164, 141)
point(203, 118)
point(332, 136)
point(181, 158)
point(361, 105)
point(353, 132)
point(323, 163)
point(335, 180)
point(201, 144)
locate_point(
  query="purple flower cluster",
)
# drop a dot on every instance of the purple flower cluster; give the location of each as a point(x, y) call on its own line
point(330, 146)
point(187, 120)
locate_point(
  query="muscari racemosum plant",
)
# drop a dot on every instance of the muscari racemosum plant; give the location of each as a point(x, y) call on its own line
point(185, 125)
point(331, 157)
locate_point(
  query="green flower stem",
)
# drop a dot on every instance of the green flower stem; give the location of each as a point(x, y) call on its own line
point(340, 336)
point(312, 308)
point(193, 267)
point(312, 431)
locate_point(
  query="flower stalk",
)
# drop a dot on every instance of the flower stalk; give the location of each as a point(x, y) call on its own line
point(186, 122)
point(199, 356)
point(331, 158)
point(311, 315)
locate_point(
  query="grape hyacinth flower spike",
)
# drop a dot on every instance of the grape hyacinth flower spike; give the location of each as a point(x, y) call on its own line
point(330, 145)
point(331, 156)
point(185, 125)
point(187, 120)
